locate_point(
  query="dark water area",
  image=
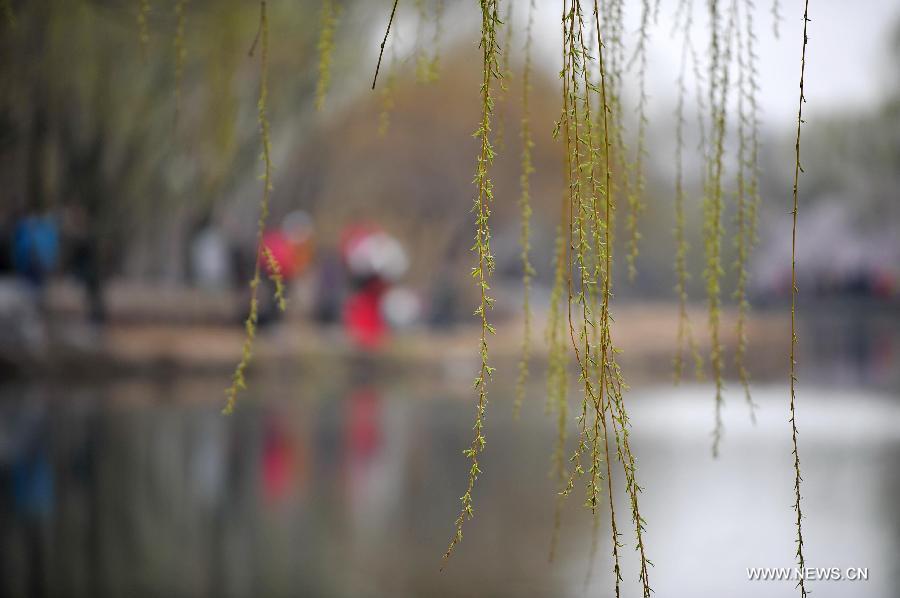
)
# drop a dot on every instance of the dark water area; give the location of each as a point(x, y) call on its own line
point(144, 491)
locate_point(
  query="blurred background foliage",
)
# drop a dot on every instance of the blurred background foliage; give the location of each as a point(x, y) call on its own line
point(91, 116)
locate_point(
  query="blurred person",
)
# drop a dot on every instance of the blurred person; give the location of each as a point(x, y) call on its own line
point(34, 251)
point(291, 249)
point(35, 248)
point(443, 312)
point(329, 287)
point(374, 261)
point(84, 258)
point(401, 307)
point(210, 265)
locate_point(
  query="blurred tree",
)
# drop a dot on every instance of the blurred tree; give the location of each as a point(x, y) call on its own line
point(94, 114)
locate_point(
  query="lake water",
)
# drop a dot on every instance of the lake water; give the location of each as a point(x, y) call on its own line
point(140, 488)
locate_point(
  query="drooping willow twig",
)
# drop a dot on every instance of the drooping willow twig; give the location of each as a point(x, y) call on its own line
point(635, 197)
point(558, 381)
point(604, 250)
point(421, 59)
point(482, 249)
point(276, 277)
point(434, 65)
point(753, 159)
point(328, 18)
point(526, 211)
point(685, 341)
point(598, 226)
point(506, 70)
point(590, 208)
point(384, 41)
point(720, 57)
point(388, 99)
point(579, 246)
point(427, 65)
point(568, 210)
point(794, 290)
point(615, 403)
point(744, 180)
point(238, 379)
point(613, 28)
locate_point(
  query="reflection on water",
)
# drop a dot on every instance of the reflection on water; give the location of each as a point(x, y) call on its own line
point(135, 490)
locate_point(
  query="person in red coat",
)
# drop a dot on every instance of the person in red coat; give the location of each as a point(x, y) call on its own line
point(374, 260)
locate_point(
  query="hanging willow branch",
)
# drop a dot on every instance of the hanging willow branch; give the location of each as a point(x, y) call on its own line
point(384, 41)
point(388, 95)
point(485, 260)
point(635, 197)
point(590, 210)
point(238, 381)
point(685, 341)
point(506, 70)
point(714, 201)
point(606, 349)
point(794, 290)
point(328, 18)
point(427, 65)
point(434, 65)
point(745, 183)
point(525, 208)
point(558, 381)
point(420, 53)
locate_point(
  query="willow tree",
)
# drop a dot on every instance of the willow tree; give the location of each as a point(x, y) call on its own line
point(603, 197)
